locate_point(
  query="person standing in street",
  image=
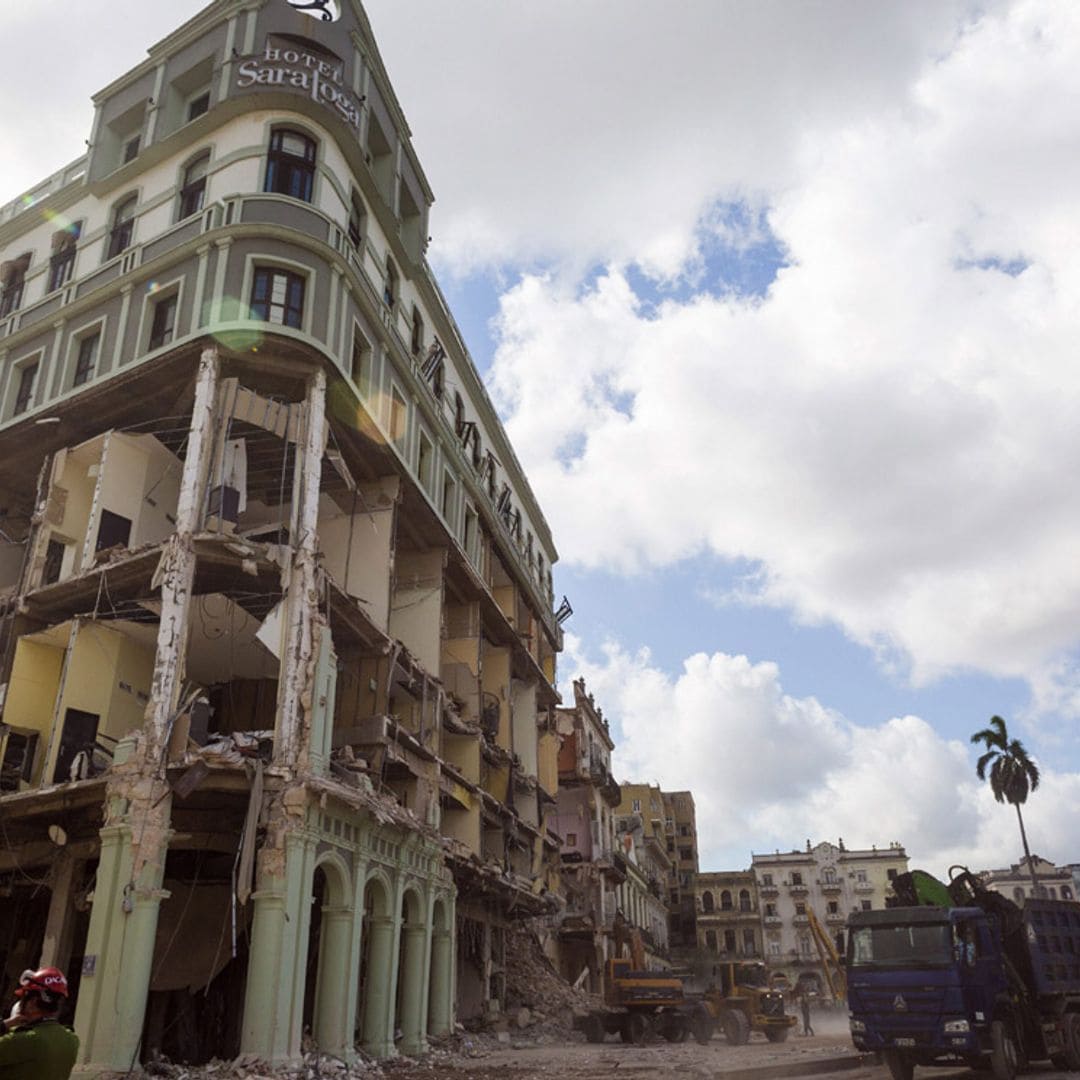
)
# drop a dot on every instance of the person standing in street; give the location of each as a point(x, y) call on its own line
point(804, 1003)
point(36, 1045)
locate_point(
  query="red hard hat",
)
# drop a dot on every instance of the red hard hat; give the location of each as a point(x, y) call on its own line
point(47, 980)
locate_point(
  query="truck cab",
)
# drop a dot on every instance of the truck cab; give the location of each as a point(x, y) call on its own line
point(925, 985)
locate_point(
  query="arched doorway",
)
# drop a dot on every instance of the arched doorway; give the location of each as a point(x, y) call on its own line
point(376, 957)
point(441, 983)
point(412, 965)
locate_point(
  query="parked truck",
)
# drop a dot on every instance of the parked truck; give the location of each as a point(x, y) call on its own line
point(741, 1001)
point(961, 975)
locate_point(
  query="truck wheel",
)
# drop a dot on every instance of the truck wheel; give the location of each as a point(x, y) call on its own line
point(736, 1027)
point(775, 1034)
point(702, 1027)
point(593, 1027)
point(1003, 1056)
point(899, 1066)
point(675, 1028)
point(635, 1029)
point(1071, 1053)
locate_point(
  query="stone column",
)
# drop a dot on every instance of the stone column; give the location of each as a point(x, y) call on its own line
point(56, 948)
point(440, 1017)
point(332, 1026)
point(411, 979)
point(296, 681)
point(378, 993)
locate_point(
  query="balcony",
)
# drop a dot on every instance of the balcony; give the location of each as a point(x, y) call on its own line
point(797, 889)
point(830, 886)
point(772, 920)
point(801, 920)
point(836, 918)
point(769, 890)
point(864, 886)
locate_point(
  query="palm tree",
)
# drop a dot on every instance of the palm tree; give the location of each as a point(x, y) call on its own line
point(1012, 774)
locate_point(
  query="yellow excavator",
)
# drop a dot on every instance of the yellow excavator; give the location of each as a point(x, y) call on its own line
point(831, 964)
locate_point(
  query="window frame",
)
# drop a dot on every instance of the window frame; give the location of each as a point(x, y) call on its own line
point(11, 295)
point(121, 230)
point(284, 169)
point(62, 262)
point(165, 335)
point(30, 366)
point(93, 336)
point(294, 275)
point(193, 191)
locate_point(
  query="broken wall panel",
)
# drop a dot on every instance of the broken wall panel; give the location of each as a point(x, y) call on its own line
point(417, 603)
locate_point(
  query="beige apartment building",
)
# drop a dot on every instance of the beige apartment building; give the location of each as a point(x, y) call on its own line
point(829, 880)
point(729, 923)
point(277, 647)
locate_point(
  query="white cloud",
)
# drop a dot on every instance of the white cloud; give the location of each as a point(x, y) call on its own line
point(889, 433)
point(770, 771)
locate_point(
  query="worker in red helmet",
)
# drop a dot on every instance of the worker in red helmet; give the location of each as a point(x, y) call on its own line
point(37, 1046)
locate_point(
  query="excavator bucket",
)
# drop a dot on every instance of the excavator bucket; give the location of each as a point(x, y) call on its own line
point(920, 889)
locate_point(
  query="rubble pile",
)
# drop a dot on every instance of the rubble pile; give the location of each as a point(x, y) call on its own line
point(540, 1002)
point(314, 1066)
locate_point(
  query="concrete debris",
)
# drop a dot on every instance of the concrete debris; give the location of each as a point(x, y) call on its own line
point(251, 1068)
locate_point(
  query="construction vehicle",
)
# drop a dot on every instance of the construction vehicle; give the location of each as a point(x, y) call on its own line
point(961, 975)
point(743, 1002)
point(831, 964)
point(641, 1005)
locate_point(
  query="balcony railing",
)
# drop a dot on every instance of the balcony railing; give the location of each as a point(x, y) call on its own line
point(864, 886)
point(798, 889)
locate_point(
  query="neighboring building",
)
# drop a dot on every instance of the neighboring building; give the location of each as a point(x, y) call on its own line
point(680, 828)
point(728, 916)
point(829, 880)
point(277, 651)
point(643, 896)
point(1054, 882)
point(592, 865)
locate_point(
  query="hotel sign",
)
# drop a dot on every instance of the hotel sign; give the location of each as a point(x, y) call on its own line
point(294, 69)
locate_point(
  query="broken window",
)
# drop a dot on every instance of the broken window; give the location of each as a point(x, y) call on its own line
point(114, 530)
point(78, 735)
point(12, 280)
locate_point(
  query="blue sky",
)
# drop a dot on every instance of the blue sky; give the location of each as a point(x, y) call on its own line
point(778, 304)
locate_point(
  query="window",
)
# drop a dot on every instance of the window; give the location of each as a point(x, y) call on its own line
point(635, 806)
point(449, 498)
point(744, 900)
point(774, 948)
point(390, 286)
point(62, 260)
point(800, 909)
point(163, 328)
point(710, 940)
point(770, 911)
point(425, 463)
point(1018, 895)
point(571, 839)
point(123, 226)
point(708, 904)
point(834, 908)
point(766, 879)
point(749, 946)
point(1066, 892)
point(12, 280)
point(131, 149)
point(866, 905)
point(363, 359)
point(860, 875)
point(25, 393)
point(684, 830)
point(193, 190)
point(891, 873)
point(198, 105)
point(357, 218)
point(277, 296)
point(725, 901)
point(469, 538)
point(87, 359)
point(729, 941)
point(398, 417)
point(417, 341)
point(290, 165)
point(796, 877)
point(828, 876)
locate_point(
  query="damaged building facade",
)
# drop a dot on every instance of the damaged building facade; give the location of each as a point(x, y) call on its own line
point(278, 750)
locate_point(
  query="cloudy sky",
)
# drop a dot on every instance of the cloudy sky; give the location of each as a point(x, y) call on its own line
point(780, 303)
